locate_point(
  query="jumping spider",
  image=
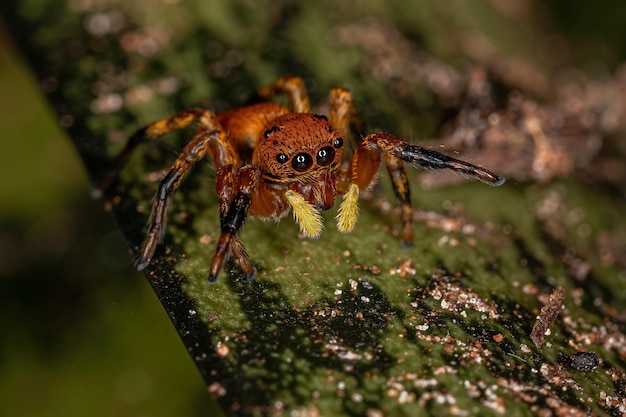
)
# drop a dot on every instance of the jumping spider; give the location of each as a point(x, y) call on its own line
point(271, 159)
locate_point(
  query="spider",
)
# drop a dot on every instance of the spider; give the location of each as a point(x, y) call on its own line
point(272, 159)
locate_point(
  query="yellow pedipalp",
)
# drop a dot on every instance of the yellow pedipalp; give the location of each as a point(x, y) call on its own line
point(349, 210)
point(308, 218)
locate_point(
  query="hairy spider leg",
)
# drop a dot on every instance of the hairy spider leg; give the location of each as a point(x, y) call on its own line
point(295, 90)
point(426, 158)
point(209, 140)
point(243, 259)
point(360, 174)
point(231, 207)
point(401, 188)
point(342, 114)
point(236, 207)
point(193, 152)
point(145, 134)
point(399, 181)
point(364, 167)
point(398, 152)
point(365, 162)
point(419, 156)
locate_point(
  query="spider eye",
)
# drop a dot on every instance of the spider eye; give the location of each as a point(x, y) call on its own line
point(301, 162)
point(269, 131)
point(325, 156)
point(281, 158)
point(338, 143)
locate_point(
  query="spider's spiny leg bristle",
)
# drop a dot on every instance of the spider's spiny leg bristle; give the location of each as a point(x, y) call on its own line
point(429, 159)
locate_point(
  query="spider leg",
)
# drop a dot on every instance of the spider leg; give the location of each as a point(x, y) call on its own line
point(364, 166)
point(192, 153)
point(207, 121)
point(419, 156)
point(231, 222)
point(361, 172)
point(398, 152)
point(401, 188)
point(295, 90)
point(243, 259)
point(226, 183)
point(342, 114)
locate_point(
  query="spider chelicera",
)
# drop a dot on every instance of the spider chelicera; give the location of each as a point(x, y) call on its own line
point(271, 159)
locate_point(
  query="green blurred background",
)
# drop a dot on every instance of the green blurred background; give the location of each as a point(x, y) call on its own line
point(82, 333)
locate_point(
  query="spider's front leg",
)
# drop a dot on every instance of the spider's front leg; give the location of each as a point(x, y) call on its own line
point(419, 156)
point(193, 152)
point(147, 134)
point(360, 174)
point(364, 166)
point(366, 160)
point(235, 189)
point(209, 140)
point(398, 152)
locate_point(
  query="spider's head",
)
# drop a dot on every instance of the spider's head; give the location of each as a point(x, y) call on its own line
point(298, 146)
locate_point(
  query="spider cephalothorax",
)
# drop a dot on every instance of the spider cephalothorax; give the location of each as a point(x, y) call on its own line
point(271, 159)
point(298, 147)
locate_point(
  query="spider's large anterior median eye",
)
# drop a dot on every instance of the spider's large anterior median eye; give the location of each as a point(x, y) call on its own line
point(325, 156)
point(282, 158)
point(301, 162)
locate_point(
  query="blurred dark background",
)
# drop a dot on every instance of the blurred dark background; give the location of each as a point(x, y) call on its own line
point(83, 334)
